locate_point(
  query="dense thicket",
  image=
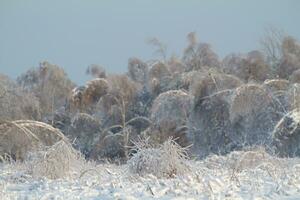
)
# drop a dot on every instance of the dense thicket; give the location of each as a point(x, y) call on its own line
point(214, 105)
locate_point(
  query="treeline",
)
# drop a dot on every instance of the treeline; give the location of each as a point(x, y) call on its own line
point(215, 105)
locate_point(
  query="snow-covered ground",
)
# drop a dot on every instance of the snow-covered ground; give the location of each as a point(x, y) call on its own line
point(239, 175)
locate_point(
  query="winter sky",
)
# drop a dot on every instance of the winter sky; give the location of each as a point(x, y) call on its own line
point(77, 33)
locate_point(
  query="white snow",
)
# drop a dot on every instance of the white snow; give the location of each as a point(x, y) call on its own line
point(239, 175)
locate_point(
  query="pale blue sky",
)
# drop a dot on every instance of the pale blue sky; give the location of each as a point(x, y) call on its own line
point(76, 33)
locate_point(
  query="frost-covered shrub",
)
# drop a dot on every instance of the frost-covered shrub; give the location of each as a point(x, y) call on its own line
point(84, 98)
point(233, 64)
point(175, 65)
point(285, 95)
point(115, 110)
point(114, 146)
point(159, 78)
point(248, 100)
point(138, 70)
point(94, 90)
point(77, 98)
point(115, 141)
point(60, 160)
point(84, 130)
point(209, 126)
point(197, 55)
point(108, 111)
point(15, 103)
point(251, 66)
point(258, 68)
point(115, 107)
point(50, 85)
point(122, 87)
point(209, 83)
point(17, 138)
point(290, 46)
point(165, 161)
point(108, 146)
point(252, 114)
point(290, 60)
point(288, 64)
point(286, 135)
point(188, 78)
point(278, 90)
point(169, 114)
point(61, 119)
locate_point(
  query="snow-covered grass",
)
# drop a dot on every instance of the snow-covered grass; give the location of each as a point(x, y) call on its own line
point(167, 160)
point(58, 161)
point(251, 174)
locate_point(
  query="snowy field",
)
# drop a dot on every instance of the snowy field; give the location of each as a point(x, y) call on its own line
point(239, 175)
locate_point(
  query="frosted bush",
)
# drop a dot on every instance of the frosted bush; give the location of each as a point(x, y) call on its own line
point(248, 100)
point(84, 130)
point(49, 83)
point(169, 112)
point(251, 66)
point(286, 134)
point(108, 146)
point(137, 70)
point(209, 124)
point(15, 103)
point(198, 54)
point(95, 89)
point(288, 64)
point(58, 161)
point(253, 114)
point(84, 98)
point(167, 160)
point(209, 83)
point(278, 90)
